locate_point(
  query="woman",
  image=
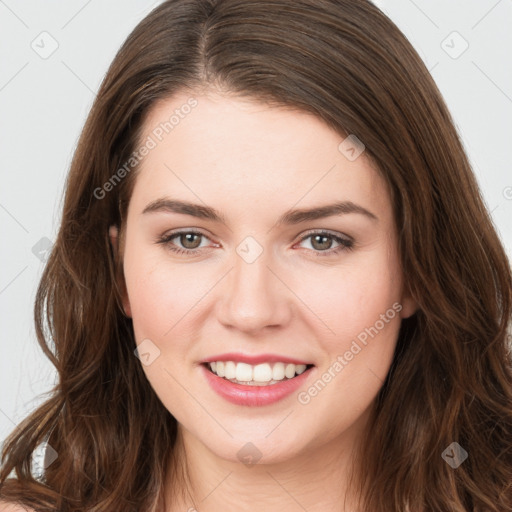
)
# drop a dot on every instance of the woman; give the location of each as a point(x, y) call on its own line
point(275, 285)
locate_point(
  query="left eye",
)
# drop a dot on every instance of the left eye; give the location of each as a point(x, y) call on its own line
point(321, 242)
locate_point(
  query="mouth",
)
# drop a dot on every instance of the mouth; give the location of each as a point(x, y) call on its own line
point(261, 375)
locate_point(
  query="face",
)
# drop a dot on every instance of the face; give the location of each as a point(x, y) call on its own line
point(253, 241)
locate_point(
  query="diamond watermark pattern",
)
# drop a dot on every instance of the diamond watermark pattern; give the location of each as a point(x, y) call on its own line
point(249, 249)
point(351, 148)
point(45, 45)
point(147, 352)
point(454, 45)
point(42, 457)
point(249, 454)
point(454, 455)
point(42, 249)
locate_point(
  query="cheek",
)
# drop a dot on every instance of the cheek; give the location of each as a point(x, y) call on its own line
point(350, 299)
point(363, 311)
point(360, 304)
point(162, 298)
point(159, 294)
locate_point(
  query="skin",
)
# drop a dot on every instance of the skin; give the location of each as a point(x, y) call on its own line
point(252, 163)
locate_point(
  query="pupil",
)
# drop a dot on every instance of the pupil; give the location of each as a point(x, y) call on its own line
point(187, 240)
point(324, 241)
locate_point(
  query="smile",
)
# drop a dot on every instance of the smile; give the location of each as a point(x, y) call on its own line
point(258, 384)
point(265, 374)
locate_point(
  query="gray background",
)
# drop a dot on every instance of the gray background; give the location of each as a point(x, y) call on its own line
point(45, 97)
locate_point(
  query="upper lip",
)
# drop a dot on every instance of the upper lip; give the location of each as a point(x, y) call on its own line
point(254, 359)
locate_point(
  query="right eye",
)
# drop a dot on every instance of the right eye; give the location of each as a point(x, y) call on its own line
point(188, 241)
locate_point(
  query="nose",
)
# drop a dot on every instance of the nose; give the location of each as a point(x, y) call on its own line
point(253, 298)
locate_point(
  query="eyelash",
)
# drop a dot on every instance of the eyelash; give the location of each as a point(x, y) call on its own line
point(345, 243)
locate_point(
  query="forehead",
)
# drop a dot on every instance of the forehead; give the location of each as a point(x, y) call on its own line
point(227, 149)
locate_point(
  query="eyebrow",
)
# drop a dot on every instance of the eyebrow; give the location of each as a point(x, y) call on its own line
point(290, 217)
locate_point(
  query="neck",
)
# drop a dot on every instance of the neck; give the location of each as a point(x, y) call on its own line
point(316, 479)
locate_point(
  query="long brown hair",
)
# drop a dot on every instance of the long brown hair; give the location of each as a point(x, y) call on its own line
point(451, 378)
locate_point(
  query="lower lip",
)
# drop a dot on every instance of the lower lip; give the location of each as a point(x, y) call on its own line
point(239, 394)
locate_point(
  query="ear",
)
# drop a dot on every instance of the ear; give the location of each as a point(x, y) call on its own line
point(115, 242)
point(409, 306)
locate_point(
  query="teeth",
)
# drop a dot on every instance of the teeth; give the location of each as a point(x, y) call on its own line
point(300, 368)
point(243, 372)
point(262, 373)
point(246, 373)
point(278, 371)
point(230, 370)
point(289, 371)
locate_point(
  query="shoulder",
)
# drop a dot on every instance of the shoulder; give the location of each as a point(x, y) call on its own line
point(5, 506)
